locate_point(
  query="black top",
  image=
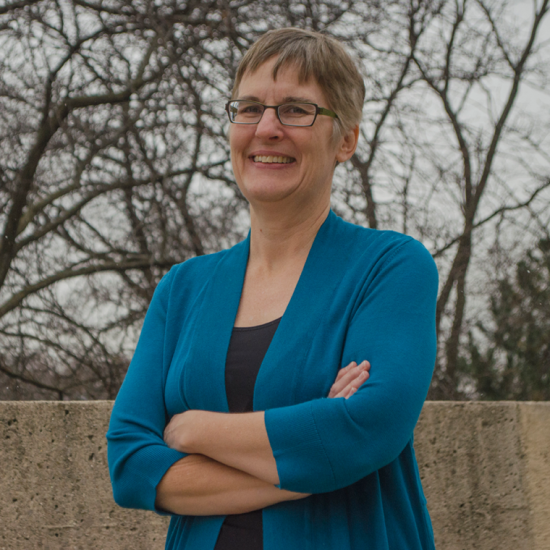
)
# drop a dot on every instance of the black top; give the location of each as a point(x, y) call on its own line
point(247, 348)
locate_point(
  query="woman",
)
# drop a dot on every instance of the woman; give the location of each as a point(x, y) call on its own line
point(325, 457)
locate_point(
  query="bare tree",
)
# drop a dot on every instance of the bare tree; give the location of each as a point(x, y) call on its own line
point(103, 122)
point(476, 50)
point(114, 162)
point(446, 152)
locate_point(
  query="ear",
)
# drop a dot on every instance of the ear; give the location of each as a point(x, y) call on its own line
point(347, 145)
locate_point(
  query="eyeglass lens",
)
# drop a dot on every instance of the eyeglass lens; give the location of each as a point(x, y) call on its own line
point(293, 114)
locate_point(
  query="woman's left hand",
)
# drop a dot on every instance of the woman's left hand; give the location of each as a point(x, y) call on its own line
point(349, 379)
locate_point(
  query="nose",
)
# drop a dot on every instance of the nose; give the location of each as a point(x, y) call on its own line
point(270, 126)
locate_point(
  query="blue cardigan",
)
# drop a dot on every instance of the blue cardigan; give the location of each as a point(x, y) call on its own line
point(363, 294)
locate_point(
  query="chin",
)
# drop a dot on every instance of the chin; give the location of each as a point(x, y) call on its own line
point(267, 198)
point(266, 193)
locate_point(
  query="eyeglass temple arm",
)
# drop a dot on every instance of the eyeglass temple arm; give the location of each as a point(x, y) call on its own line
point(327, 112)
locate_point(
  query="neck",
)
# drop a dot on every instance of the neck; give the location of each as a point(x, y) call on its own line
point(278, 238)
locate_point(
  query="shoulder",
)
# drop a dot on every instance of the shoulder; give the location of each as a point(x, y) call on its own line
point(377, 248)
point(392, 267)
point(189, 278)
point(197, 266)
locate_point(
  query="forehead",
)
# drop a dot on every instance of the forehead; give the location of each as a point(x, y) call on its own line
point(287, 84)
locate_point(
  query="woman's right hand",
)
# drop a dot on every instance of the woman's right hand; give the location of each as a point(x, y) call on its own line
point(349, 379)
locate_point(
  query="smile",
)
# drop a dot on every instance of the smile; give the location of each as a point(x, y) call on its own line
point(272, 159)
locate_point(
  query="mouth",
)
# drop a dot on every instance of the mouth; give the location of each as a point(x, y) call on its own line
point(269, 159)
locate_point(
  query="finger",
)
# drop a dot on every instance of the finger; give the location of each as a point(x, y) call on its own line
point(345, 370)
point(351, 374)
point(338, 384)
point(354, 385)
point(350, 393)
point(347, 378)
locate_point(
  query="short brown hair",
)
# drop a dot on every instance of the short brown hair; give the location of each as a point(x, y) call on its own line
point(315, 55)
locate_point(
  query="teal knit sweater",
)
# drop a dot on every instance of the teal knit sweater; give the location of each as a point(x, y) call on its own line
point(363, 294)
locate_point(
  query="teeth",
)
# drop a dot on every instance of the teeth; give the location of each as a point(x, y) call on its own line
point(271, 159)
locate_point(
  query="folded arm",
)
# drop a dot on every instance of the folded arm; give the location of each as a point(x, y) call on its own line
point(240, 440)
point(199, 486)
point(205, 485)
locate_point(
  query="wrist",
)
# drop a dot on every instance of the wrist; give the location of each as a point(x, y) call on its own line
point(196, 431)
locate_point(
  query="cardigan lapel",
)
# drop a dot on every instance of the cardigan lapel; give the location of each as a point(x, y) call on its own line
point(279, 377)
point(205, 381)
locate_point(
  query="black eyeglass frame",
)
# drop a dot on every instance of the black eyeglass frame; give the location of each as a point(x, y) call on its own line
point(318, 111)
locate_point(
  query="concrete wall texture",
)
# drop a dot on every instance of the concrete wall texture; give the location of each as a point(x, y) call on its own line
point(485, 469)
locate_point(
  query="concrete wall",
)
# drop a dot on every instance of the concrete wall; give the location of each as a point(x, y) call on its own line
point(485, 469)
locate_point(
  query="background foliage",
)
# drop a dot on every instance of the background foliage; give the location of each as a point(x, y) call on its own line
point(114, 165)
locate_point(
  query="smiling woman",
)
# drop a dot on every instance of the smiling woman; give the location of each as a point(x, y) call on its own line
point(309, 152)
point(283, 328)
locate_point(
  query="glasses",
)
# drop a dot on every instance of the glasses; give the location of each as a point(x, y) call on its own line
point(243, 111)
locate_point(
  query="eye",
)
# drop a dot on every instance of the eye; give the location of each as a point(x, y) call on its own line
point(296, 109)
point(244, 108)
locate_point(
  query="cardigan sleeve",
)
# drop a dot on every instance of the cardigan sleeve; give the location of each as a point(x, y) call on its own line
point(326, 444)
point(138, 457)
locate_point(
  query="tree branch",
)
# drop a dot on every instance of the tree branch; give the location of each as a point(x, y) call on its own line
point(494, 214)
point(69, 273)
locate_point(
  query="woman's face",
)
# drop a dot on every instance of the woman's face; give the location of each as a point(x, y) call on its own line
point(309, 154)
